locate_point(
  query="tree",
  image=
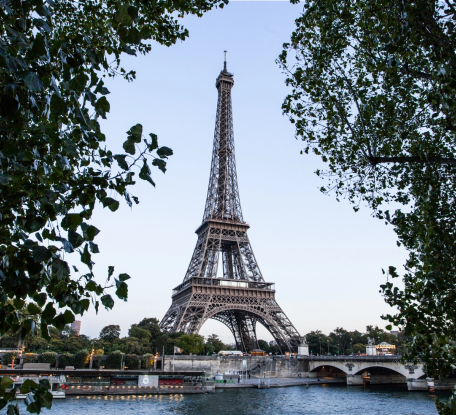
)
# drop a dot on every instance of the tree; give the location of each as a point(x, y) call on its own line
point(110, 333)
point(317, 342)
point(191, 343)
point(54, 167)
point(139, 333)
point(373, 95)
point(264, 345)
point(214, 341)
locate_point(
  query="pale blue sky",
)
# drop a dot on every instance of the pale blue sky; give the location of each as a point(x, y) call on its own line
point(325, 259)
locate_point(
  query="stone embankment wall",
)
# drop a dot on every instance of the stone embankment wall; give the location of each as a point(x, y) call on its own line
point(257, 366)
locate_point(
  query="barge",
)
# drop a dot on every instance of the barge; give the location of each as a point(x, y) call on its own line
point(115, 382)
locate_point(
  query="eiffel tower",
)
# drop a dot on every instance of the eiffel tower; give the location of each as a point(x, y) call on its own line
point(241, 298)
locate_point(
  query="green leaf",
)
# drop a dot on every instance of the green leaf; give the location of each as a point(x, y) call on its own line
point(124, 277)
point(4, 179)
point(33, 309)
point(129, 146)
point(89, 231)
point(120, 158)
point(48, 314)
point(28, 386)
point(46, 400)
point(102, 107)
point(111, 203)
point(38, 49)
point(145, 173)
point(6, 382)
point(135, 133)
point(110, 271)
point(86, 257)
point(75, 238)
point(100, 89)
point(58, 106)
point(31, 80)
point(41, 254)
point(122, 291)
point(94, 248)
point(134, 36)
point(121, 16)
point(40, 299)
point(107, 301)
point(161, 164)
point(164, 152)
point(60, 269)
point(68, 317)
point(154, 142)
point(78, 83)
point(71, 221)
point(91, 286)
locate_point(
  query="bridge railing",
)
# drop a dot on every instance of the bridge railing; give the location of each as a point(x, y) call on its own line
point(347, 357)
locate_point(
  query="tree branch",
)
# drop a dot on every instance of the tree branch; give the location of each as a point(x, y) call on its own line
point(412, 159)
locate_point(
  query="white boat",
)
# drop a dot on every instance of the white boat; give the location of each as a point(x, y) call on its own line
point(57, 385)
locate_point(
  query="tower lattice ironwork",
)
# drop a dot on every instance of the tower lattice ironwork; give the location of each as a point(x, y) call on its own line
point(241, 298)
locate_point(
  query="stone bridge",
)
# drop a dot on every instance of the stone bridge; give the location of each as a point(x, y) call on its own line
point(361, 369)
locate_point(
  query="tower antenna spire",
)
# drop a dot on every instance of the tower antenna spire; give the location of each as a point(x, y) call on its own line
point(224, 66)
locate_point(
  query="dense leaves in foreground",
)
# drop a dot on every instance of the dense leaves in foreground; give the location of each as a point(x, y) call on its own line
point(373, 86)
point(54, 168)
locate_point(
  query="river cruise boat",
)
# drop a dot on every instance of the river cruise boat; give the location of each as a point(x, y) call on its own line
point(58, 386)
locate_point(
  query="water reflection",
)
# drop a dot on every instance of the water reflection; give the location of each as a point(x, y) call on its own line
point(316, 400)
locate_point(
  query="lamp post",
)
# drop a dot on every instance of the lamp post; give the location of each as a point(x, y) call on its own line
point(351, 344)
point(319, 341)
point(328, 346)
point(122, 361)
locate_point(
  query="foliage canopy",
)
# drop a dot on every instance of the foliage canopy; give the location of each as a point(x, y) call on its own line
point(372, 92)
point(54, 167)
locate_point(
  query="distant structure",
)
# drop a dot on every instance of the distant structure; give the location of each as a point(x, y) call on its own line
point(240, 298)
point(76, 327)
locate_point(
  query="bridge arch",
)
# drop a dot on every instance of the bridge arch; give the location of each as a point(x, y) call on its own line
point(379, 370)
point(329, 370)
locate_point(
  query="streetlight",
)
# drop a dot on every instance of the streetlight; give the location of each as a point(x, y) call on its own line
point(328, 346)
point(319, 341)
point(351, 343)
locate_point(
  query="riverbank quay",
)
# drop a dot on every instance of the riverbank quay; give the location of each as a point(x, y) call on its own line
point(118, 382)
point(278, 383)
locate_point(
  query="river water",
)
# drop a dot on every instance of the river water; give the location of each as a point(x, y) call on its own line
point(316, 400)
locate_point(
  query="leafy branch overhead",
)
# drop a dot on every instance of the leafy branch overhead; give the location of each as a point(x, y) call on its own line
point(55, 56)
point(372, 87)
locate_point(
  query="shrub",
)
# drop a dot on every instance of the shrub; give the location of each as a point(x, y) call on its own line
point(81, 358)
point(8, 357)
point(147, 361)
point(66, 359)
point(48, 357)
point(98, 361)
point(132, 361)
point(114, 360)
point(29, 358)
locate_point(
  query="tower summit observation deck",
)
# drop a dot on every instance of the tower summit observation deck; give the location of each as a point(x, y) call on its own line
point(241, 298)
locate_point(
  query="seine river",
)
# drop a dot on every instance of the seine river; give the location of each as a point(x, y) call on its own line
point(316, 400)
